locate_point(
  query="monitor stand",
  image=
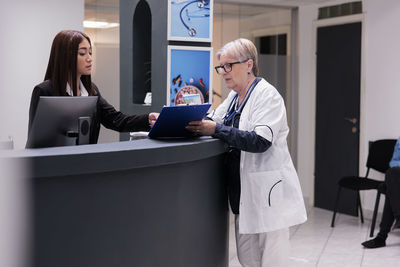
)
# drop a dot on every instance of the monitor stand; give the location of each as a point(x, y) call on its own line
point(83, 134)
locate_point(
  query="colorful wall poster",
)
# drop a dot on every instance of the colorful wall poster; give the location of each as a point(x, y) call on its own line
point(190, 20)
point(189, 75)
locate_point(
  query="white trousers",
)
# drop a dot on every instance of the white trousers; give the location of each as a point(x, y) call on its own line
point(269, 249)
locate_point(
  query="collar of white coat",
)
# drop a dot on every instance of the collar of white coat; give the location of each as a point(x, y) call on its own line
point(84, 92)
point(260, 86)
point(262, 83)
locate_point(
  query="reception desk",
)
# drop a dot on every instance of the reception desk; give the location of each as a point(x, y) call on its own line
point(143, 203)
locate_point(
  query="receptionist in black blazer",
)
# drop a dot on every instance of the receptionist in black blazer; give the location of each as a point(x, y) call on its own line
point(68, 74)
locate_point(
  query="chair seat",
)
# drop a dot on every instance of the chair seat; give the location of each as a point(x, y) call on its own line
point(382, 188)
point(359, 183)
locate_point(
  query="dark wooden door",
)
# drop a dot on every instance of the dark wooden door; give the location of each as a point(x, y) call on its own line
point(337, 113)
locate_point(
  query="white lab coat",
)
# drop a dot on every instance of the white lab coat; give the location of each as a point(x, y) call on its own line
point(271, 197)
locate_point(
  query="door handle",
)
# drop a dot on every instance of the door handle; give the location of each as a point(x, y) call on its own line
point(352, 120)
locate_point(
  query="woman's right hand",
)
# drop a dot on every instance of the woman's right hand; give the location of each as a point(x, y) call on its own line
point(152, 118)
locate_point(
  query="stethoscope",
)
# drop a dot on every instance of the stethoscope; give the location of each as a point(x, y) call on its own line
point(238, 109)
point(202, 6)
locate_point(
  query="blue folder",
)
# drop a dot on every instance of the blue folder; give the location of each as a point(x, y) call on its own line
point(172, 121)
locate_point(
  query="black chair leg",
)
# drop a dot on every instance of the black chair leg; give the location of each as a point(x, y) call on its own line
point(360, 207)
point(373, 222)
point(335, 207)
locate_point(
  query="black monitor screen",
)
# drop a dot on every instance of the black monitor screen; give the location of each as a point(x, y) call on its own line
point(61, 121)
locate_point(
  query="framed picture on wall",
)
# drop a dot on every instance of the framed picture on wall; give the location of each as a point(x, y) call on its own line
point(190, 20)
point(189, 75)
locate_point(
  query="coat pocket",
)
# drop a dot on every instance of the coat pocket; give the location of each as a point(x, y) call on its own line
point(269, 185)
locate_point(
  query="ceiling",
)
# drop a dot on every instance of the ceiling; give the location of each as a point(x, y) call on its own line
point(283, 3)
point(274, 3)
point(108, 10)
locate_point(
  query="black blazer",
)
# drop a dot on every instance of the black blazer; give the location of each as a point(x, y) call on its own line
point(106, 114)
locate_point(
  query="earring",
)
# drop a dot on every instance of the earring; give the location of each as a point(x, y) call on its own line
point(248, 72)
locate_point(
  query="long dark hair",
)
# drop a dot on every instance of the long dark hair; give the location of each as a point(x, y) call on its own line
point(63, 63)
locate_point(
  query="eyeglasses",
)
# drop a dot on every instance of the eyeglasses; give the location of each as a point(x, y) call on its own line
point(228, 66)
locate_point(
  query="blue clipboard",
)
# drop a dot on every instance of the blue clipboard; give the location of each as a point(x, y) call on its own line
point(172, 121)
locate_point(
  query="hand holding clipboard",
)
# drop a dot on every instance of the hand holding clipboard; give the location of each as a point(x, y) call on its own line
point(172, 121)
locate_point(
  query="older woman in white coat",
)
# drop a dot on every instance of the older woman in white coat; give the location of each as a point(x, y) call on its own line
point(263, 189)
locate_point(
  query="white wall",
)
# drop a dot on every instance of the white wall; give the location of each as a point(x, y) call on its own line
point(225, 29)
point(306, 101)
point(382, 68)
point(27, 31)
point(381, 93)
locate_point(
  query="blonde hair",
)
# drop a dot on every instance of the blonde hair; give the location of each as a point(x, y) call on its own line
point(241, 49)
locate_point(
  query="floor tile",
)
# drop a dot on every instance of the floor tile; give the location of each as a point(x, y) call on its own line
point(316, 244)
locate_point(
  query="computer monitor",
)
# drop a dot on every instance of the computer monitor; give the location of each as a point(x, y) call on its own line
point(62, 121)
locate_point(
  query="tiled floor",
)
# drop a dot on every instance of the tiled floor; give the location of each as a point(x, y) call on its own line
point(315, 243)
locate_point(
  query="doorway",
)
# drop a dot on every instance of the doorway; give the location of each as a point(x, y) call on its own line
point(272, 60)
point(338, 80)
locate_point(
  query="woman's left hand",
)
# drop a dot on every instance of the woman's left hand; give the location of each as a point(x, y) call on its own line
point(152, 118)
point(204, 127)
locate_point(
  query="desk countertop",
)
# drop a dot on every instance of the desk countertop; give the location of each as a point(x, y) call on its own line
point(58, 161)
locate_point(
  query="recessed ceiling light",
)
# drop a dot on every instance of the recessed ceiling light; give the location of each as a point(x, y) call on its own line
point(99, 24)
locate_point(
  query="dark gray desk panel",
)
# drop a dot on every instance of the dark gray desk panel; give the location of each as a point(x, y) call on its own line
point(142, 203)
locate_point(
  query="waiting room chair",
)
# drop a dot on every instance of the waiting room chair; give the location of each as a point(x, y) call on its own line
point(379, 155)
point(381, 190)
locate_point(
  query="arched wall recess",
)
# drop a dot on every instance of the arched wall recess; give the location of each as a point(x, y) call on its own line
point(141, 57)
